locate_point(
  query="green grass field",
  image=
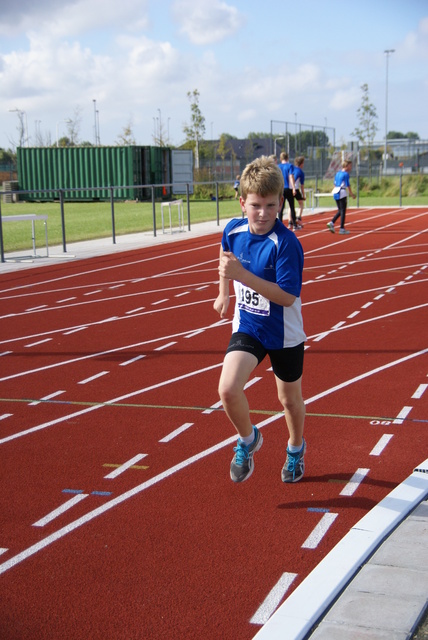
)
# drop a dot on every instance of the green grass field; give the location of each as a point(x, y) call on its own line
point(89, 220)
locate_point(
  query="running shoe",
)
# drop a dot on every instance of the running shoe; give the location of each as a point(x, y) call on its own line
point(294, 466)
point(330, 226)
point(343, 231)
point(297, 227)
point(299, 221)
point(242, 465)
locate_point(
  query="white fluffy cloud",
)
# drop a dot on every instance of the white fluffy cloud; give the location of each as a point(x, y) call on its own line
point(205, 23)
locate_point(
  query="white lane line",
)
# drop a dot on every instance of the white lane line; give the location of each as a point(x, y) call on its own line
point(3, 550)
point(273, 599)
point(62, 509)
point(124, 364)
point(165, 346)
point(367, 305)
point(352, 315)
point(339, 324)
point(195, 333)
point(103, 405)
point(92, 293)
point(66, 300)
point(51, 395)
point(76, 330)
point(97, 375)
point(135, 310)
point(354, 482)
point(6, 415)
point(313, 540)
point(35, 344)
point(160, 301)
point(72, 526)
point(213, 407)
point(5, 353)
point(420, 391)
point(321, 336)
point(380, 446)
point(402, 415)
point(125, 466)
point(177, 432)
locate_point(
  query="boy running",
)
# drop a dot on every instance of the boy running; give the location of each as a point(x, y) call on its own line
point(340, 193)
point(265, 262)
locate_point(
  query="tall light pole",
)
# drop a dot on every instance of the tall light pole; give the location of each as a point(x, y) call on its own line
point(387, 53)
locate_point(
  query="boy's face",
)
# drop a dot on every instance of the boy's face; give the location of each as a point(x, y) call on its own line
point(261, 211)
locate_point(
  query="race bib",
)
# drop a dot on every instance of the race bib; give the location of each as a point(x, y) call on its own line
point(253, 302)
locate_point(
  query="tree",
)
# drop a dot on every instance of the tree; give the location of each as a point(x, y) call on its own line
point(126, 138)
point(73, 126)
point(367, 118)
point(195, 130)
point(397, 135)
point(21, 128)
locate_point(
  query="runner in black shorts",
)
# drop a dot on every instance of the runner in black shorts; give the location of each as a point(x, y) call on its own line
point(264, 260)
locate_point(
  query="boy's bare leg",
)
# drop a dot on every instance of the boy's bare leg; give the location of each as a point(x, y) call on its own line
point(290, 396)
point(237, 368)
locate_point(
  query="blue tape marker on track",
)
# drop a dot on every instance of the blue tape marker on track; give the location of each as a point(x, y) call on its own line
point(320, 510)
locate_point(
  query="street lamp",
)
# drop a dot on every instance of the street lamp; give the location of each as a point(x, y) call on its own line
point(387, 53)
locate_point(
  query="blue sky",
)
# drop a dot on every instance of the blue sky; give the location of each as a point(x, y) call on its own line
point(252, 63)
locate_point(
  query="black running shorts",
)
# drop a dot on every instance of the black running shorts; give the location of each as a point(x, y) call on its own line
point(287, 363)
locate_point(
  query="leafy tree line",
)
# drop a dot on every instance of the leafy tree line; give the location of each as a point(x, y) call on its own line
point(194, 131)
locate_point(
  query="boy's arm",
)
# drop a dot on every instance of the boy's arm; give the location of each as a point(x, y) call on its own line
point(231, 269)
point(221, 304)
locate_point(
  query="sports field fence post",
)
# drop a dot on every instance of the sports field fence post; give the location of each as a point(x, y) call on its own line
point(217, 203)
point(1, 237)
point(154, 210)
point(401, 185)
point(61, 204)
point(113, 226)
point(358, 186)
point(188, 205)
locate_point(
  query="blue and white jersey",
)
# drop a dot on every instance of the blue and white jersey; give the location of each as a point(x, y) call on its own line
point(277, 257)
point(341, 185)
point(287, 169)
point(299, 177)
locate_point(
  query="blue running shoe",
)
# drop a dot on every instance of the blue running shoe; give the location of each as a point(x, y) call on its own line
point(294, 466)
point(242, 464)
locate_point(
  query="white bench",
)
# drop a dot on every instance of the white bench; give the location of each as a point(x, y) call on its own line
point(179, 205)
point(31, 217)
point(321, 195)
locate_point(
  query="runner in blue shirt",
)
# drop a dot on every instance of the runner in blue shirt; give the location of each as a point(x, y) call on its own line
point(340, 194)
point(287, 170)
point(265, 262)
point(299, 182)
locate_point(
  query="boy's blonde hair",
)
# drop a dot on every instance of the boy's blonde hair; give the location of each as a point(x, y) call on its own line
point(262, 177)
point(299, 161)
point(346, 164)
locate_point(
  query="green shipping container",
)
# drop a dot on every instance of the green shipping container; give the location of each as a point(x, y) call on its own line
point(86, 173)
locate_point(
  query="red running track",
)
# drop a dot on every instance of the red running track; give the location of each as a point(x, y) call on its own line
point(118, 517)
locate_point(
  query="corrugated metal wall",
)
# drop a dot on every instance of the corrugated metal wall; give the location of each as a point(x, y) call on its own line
point(83, 168)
